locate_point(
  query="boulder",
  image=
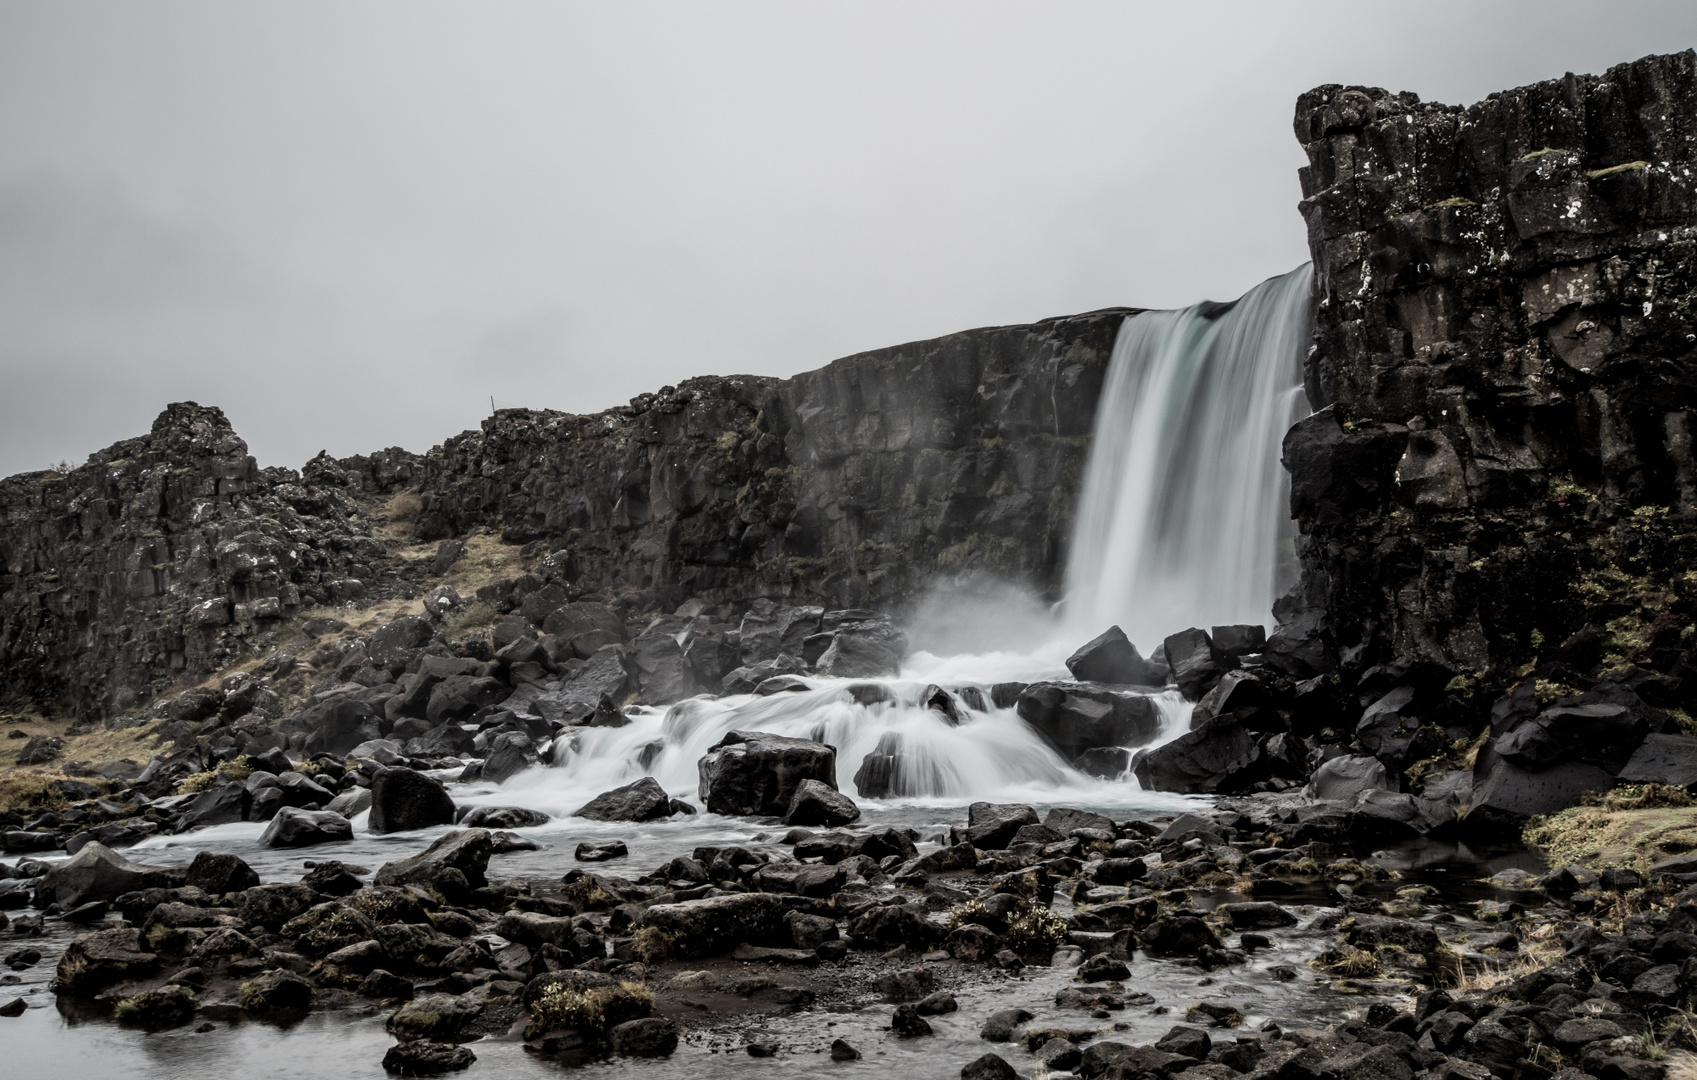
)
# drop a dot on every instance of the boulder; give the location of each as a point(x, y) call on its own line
point(769, 630)
point(991, 826)
point(458, 697)
point(92, 962)
point(1505, 794)
point(1663, 759)
point(1195, 663)
point(301, 828)
point(355, 800)
point(338, 727)
point(99, 873)
point(601, 852)
point(585, 627)
point(502, 817)
point(275, 994)
point(816, 803)
point(1343, 778)
point(1181, 935)
point(746, 679)
point(989, 1067)
point(510, 753)
point(715, 925)
point(465, 850)
point(1106, 762)
point(603, 676)
point(1074, 719)
point(403, 800)
point(301, 790)
point(215, 806)
point(648, 1036)
point(1112, 658)
point(444, 740)
point(1240, 639)
point(422, 1057)
point(753, 773)
point(643, 800)
point(220, 873)
point(864, 650)
point(663, 674)
point(1221, 756)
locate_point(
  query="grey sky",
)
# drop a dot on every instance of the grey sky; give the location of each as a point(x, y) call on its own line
point(351, 224)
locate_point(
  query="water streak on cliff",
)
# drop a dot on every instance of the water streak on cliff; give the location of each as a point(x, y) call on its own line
point(1184, 518)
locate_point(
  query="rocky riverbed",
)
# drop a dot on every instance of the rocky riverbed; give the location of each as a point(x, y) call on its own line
point(1211, 944)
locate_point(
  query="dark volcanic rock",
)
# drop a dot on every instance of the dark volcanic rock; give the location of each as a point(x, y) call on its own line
point(644, 800)
point(403, 800)
point(510, 753)
point(817, 803)
point(1075, 719)
point(99, 873)
point(220, 873)
point(1112, 658)
point(1220, 756)
point(992, 826)
point(750, 772)
point(1457, 517)
point(1663, 759)
point(424, 1058)
point(299, 828)
point(464, 850)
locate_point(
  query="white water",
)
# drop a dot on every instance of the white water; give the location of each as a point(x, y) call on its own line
point(1182, 511)
point(1184, 503)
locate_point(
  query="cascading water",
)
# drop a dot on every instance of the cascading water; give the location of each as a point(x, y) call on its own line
point(1185, 504)
point(1182, 510)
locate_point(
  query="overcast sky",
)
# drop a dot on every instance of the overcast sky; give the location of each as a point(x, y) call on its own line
point(351, 225)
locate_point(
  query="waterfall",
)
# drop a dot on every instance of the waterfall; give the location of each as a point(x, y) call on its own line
point(1185, 506)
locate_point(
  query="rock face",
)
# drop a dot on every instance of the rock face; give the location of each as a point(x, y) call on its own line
point(956, 454)
point(1503, 346)
point(751, 772)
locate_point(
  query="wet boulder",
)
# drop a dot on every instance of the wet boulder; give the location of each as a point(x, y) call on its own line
point(502, 817)
point(887, 771)
point(1221, 756)
point(643, 800)
point(817, 803)
point(464, 850)
point(753, 773)
point(1106, 762)
point(215, 806)
point(991, 826)
point(99, 873)
point(1239, 639)
point(1074, 719)
point(403, 800)
point(749, 677)
point(510, 753)
point(1242, 694)
point(1112, 658)
point(293, 827)
point(1181, 935)
point(1195, 663)
point(647, 1036)
point(603, 676)
point(422, 1057)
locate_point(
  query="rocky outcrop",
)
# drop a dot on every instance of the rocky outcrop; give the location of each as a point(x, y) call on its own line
point(1505, 342)
point(165, 557)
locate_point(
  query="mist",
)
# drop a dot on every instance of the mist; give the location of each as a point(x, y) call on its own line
point(355, 226)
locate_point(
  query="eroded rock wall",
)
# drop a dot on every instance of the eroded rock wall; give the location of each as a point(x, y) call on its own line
point(859, 484)
point(1506, 336)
